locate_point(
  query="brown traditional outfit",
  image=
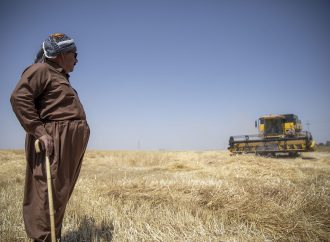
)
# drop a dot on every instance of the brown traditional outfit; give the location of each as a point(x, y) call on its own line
point(45, 103)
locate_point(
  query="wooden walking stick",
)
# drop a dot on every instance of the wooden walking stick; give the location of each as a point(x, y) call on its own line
point(50, 192)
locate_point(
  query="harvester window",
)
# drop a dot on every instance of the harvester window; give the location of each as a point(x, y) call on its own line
point(273, 126)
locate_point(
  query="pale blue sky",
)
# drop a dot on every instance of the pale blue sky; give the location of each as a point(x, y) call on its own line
point(177, 74)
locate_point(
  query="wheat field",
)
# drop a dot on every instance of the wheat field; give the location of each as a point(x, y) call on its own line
point(183, 196)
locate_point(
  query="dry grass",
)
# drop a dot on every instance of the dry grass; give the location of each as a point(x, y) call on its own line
point(184, 196)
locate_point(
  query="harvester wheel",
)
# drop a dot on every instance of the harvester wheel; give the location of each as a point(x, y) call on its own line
point(293, 154)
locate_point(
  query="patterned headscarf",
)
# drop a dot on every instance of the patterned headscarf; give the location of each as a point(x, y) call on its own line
point(54, 45)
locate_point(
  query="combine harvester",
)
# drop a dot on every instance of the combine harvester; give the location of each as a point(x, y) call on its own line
point(278, 134)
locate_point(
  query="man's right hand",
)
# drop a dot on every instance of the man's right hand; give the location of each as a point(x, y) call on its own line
point(47, 144)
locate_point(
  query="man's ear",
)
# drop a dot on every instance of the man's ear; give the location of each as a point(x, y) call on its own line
point(59, 59)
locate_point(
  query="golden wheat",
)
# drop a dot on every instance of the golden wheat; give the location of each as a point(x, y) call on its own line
point(183, 196)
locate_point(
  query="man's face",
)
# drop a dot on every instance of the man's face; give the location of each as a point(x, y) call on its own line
point(68, 61)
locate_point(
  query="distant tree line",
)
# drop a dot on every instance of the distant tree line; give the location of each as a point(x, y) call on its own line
point(324, 144)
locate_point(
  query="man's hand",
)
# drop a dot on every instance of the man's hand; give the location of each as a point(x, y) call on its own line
point(47, 144)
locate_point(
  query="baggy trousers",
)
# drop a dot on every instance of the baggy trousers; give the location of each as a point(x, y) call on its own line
point(70, 141)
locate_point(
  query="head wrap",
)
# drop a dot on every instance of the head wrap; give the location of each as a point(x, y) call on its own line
point(56, 44)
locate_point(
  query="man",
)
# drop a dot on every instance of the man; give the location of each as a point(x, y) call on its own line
point(49, 109)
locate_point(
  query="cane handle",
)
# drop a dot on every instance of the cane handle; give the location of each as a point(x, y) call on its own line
point(37, 146)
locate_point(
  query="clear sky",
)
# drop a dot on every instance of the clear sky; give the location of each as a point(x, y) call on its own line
point(175, 74)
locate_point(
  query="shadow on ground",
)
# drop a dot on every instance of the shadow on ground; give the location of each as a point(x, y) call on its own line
point(290, 156)
point(89, 231)
point(308, 158)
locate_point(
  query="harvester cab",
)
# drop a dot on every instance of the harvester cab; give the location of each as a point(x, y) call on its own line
point(279, 125)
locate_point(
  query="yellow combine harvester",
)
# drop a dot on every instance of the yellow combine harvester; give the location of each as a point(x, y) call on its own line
point(277, 134)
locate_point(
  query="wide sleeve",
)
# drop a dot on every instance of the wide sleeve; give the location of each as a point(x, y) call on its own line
point(32, 84)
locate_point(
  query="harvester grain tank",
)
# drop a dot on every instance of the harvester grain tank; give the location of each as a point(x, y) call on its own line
point(277, 134)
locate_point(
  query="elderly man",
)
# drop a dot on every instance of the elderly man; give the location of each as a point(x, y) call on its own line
point(48, 108)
